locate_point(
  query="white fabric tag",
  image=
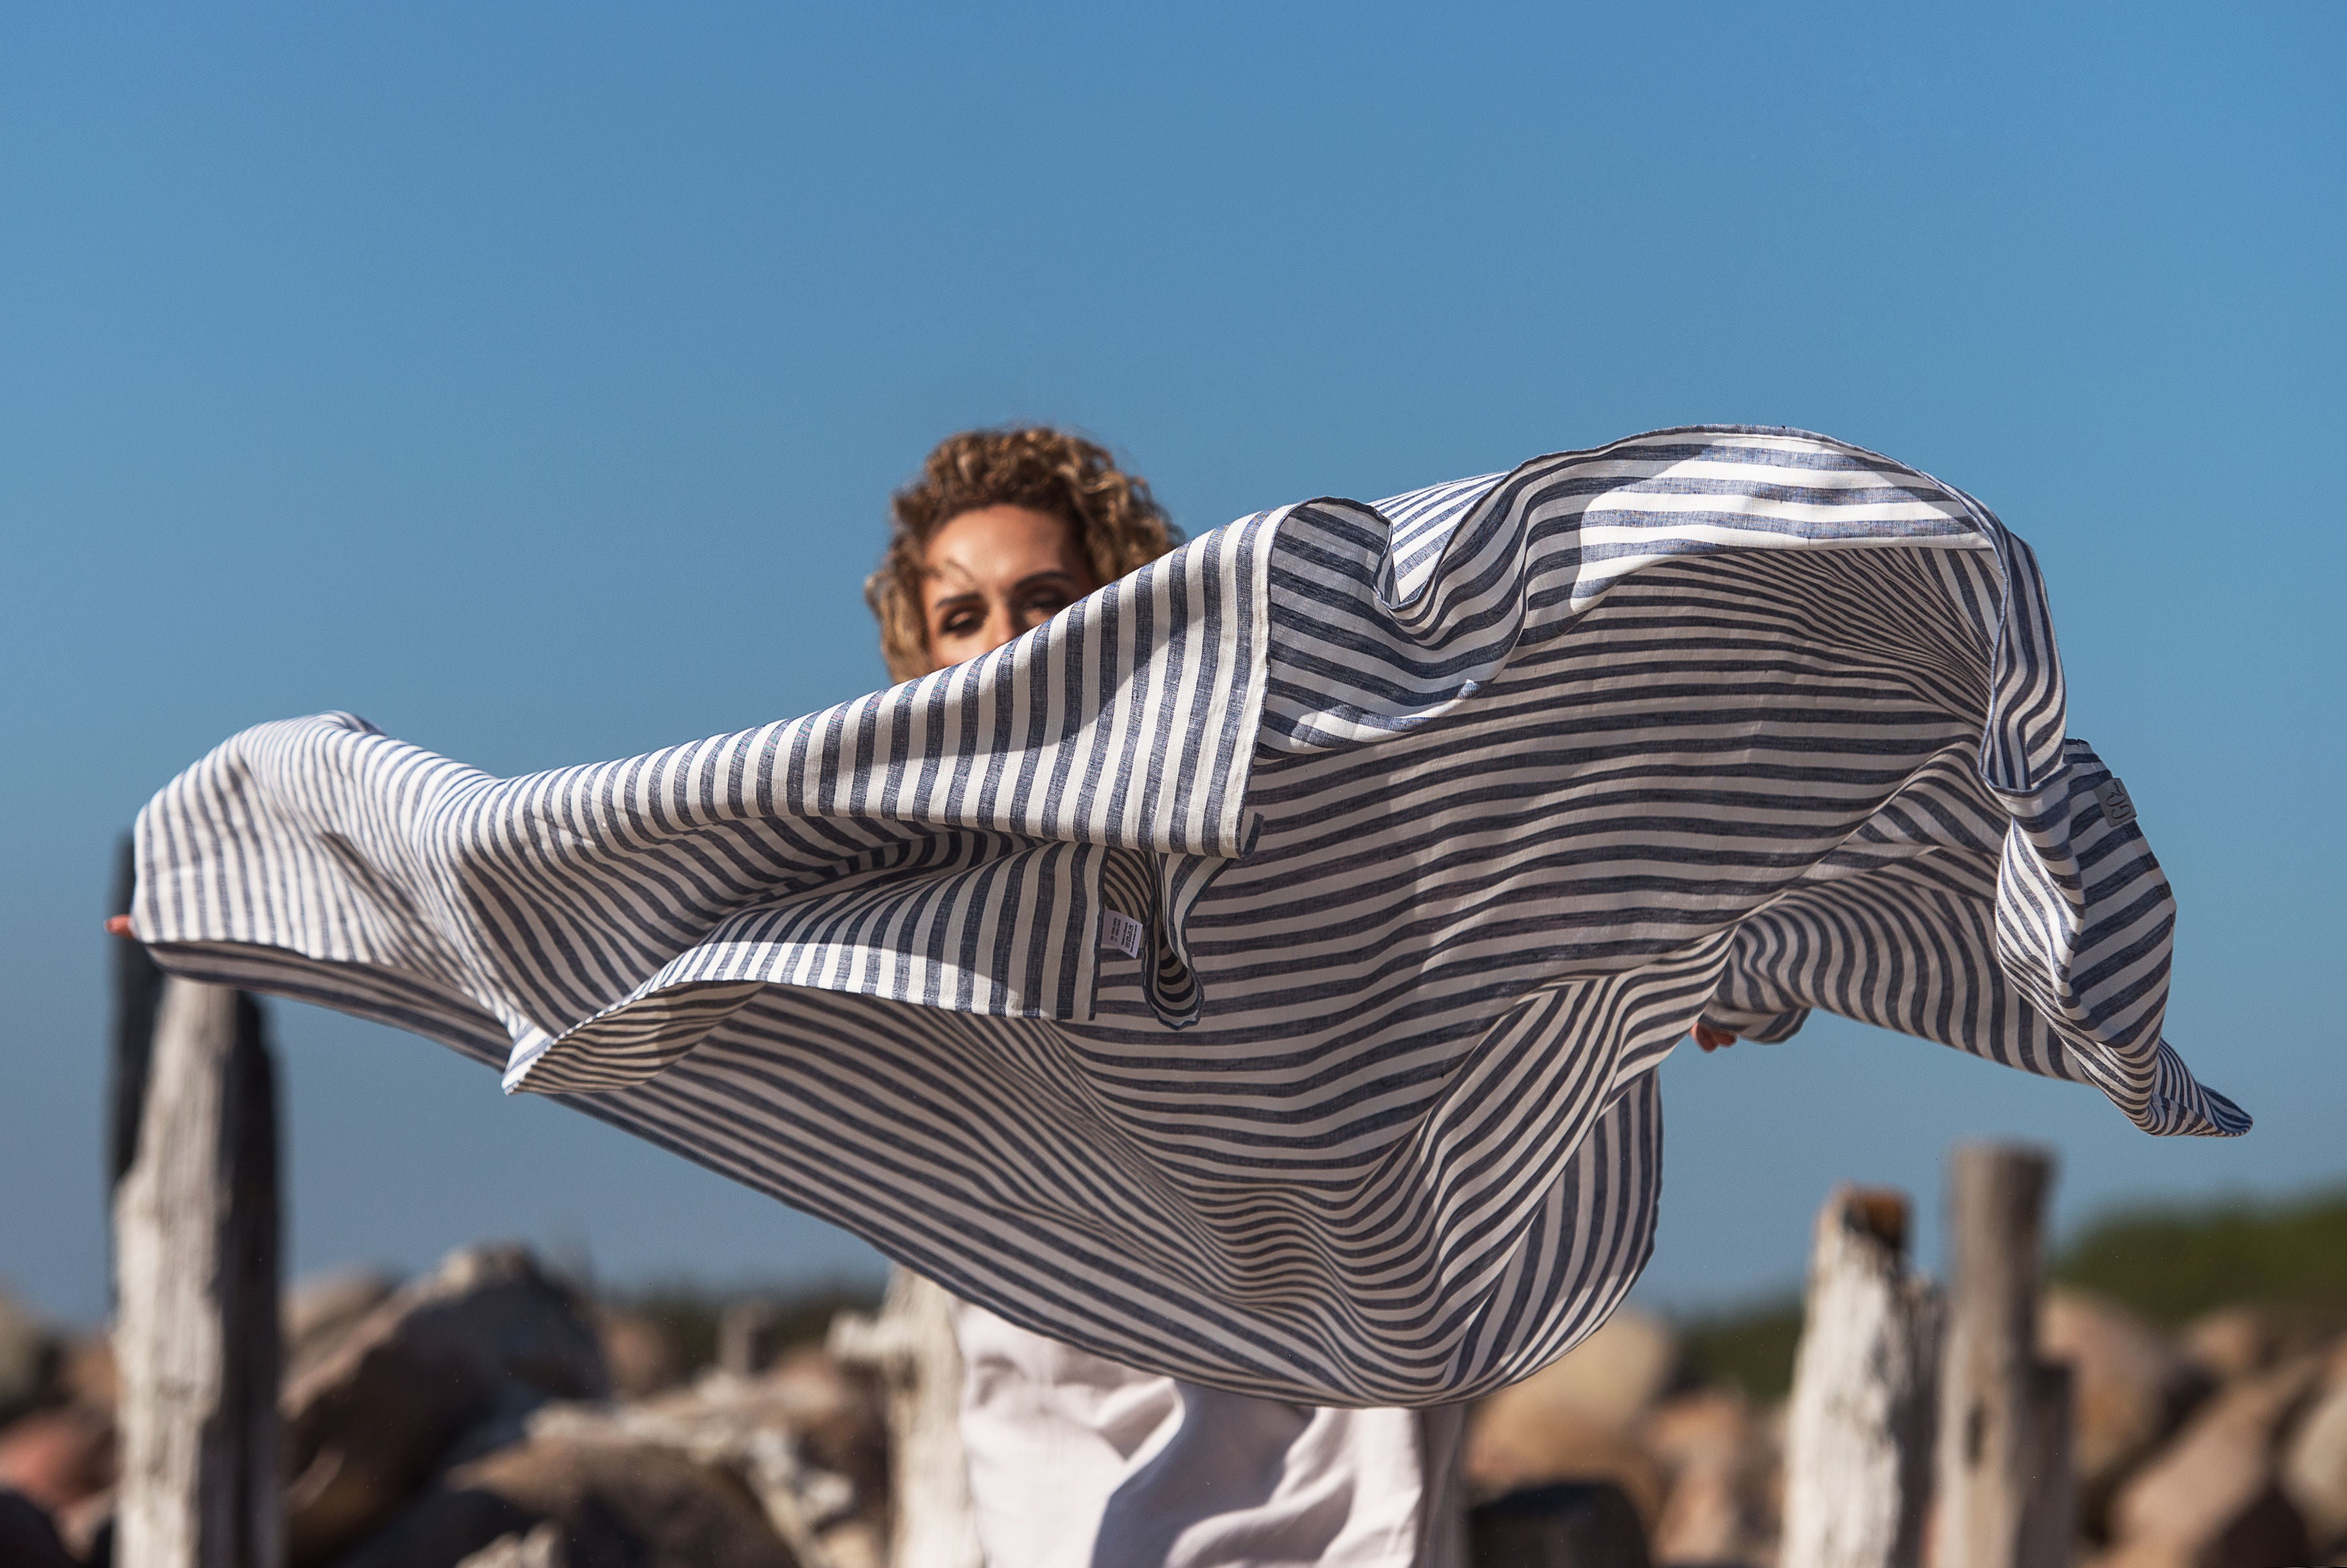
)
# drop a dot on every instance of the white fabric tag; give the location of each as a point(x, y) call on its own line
point(1122, 932)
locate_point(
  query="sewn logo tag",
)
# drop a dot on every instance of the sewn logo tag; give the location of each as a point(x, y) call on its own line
point(1122, 932)
point(2117, 810)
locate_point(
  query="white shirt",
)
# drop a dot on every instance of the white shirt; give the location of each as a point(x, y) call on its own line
point(1076, 1461)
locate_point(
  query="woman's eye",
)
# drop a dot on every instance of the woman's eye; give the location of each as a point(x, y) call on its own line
point(961, 623)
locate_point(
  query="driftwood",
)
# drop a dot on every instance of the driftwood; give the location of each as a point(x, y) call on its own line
point(911, 1344)
point(1858, 1442)
point(196, 1245)
point(2006, 1495)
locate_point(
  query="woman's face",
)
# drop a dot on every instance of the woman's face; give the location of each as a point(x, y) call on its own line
point(991, 574)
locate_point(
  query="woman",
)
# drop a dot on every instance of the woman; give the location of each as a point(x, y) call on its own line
point(1074, 1458)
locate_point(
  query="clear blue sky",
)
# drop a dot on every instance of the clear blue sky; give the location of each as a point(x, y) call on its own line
point(530, 379)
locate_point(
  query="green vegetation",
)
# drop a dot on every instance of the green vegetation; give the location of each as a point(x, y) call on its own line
point(2173, 1262)
point(2169, 1262)
point(1749, 1346)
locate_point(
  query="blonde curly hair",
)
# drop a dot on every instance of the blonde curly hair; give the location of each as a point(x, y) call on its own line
point(1116, 521)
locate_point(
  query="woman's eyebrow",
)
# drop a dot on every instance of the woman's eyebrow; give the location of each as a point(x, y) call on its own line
point(1055, 576)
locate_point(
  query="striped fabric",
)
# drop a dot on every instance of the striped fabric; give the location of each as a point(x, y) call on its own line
point(1256, 973)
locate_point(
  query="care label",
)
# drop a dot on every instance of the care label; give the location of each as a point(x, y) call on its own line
point(1122, 932)
point(2117, 810)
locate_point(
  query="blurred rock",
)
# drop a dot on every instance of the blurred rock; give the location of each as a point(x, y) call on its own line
point(27, 1538)
point(2230, 1342)
point(2237, 1342)
point(472, 1347)
point(1512, 1449)
point(841, 1418)
point(807, 1440)
point(610, 1506)
point(323, 1307)
point(1567, 1525)
point(1716, 1459)
point(2211, 1497)
point(1611, 1375)
point(28, 1361)
point(1571, 1418)
point(2314, 1467)
point(541, 1548)
point(2131, 1387)
point(639, 1354)
point(58, 1457)
point(88, 1528)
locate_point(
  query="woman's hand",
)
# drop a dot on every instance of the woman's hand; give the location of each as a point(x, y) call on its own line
point(1711, 1039)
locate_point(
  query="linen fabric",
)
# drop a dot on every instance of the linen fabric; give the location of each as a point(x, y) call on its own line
point(1255, 973)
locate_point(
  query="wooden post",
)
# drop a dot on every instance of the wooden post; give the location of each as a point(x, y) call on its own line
point(196, 1337)
point(2006, 1496)
point(911, 1344)
point(1858, 1440)
point(137, 987)
point(745, 1337)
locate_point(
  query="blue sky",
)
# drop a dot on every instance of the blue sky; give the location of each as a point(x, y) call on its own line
point(530, 380)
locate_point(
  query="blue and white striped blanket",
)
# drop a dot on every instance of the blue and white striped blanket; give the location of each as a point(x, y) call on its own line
point(1256, 973)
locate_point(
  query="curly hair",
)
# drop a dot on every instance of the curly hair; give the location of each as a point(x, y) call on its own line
point(1116, 522)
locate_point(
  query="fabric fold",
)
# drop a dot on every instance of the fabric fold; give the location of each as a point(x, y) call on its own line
point(1255, 974)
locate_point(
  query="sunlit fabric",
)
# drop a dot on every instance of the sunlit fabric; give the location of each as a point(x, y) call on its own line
point(1256, 975)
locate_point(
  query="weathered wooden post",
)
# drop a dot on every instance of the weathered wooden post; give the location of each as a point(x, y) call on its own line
point(911, 1344)
point(195, 1265)
point(2006, 1496)
point(138, 986)
point(1858, 1440)
point(745, 1337)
